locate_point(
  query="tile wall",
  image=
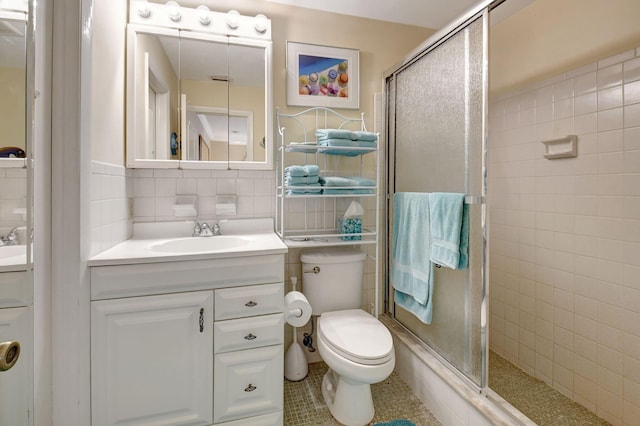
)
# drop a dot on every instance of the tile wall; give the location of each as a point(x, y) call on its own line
point(13, 193)
point(565, 235)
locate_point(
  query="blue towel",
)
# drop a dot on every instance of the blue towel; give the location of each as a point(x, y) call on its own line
point(306, 170)
point(347, 142)
point(322, 134)
point(335, 190)
point(300, 180)
point(411, 269)
point(449, 230)
point(346, 181)
point(313, 188)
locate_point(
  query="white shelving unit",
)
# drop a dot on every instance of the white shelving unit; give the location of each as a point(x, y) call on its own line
point(311, 220)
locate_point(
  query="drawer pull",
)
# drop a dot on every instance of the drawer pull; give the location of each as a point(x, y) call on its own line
point(250, 388)
point(201, 320)
point(250, 304)
point(250, 336)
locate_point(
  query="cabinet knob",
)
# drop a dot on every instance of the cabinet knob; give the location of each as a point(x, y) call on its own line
point(250, 388)
point(250, 304)
point(250, 336)
point(9, 354)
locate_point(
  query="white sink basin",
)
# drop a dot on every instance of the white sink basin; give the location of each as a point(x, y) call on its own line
point(13, 255)
point(200, 244)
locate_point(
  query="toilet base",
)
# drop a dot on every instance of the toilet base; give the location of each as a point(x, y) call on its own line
point(349, 403)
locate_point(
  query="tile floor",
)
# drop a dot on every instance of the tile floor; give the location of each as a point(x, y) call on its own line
point(535, 399)
point(303, 403)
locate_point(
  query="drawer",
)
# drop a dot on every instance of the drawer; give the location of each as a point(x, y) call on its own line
point(239, 302)
point(248, 383)
point(273, 419)
point(248, 333)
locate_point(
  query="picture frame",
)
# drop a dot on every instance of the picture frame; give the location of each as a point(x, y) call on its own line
point(322, 76)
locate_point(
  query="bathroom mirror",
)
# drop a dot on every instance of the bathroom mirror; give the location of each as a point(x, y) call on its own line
point(13, 147)
point(198, 100)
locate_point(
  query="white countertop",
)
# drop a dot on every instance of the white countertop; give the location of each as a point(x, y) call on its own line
point(140, 249)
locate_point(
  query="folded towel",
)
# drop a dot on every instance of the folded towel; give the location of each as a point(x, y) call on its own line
point(342, 191)
point(347, 142)
point(345, 181)
point(307, 147)
point(306, 170)
point(333, 133)
point(411, 269)
point(323, 134)
point(305, 189)
point(300, 180)
point(449, 237)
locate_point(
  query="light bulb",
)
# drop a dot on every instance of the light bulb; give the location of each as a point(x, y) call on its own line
point(203, 14)
point(261, 23)
point(174, 11)
point(143, 9)
point(233, 19)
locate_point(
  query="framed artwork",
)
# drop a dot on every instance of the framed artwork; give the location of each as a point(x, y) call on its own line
point(322, 76)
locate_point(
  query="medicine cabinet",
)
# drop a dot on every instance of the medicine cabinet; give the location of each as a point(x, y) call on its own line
point(198, 89)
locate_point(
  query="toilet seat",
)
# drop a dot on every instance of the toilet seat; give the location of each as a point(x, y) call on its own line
point(356, 336)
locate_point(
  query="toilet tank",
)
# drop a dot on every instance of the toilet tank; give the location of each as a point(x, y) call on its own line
point(332, 278)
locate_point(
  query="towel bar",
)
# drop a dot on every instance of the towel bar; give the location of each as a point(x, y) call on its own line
point(473, 199)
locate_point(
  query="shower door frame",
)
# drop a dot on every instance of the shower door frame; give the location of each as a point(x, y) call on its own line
point(481, 11)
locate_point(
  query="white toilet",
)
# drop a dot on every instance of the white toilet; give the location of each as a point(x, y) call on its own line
point(356, 346)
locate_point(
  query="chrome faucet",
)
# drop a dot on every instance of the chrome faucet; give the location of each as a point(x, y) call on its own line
point(11, 239)
point(204, 230)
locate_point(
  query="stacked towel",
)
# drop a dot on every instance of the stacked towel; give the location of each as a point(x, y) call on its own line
point(343, 139)
point(302, 179)
point(337, 185)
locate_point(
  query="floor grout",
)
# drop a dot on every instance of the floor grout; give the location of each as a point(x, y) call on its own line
point(392, 398)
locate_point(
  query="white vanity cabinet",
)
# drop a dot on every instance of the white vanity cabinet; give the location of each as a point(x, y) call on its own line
point(16, 310)
point(203, 350)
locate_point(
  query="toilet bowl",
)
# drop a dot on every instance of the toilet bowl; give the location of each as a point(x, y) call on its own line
point(359, 352)
point(356, 346)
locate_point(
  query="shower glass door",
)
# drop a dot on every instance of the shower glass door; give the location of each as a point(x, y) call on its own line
point(436, 131)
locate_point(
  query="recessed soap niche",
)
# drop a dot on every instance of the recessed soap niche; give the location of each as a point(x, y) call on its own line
point(566, 147)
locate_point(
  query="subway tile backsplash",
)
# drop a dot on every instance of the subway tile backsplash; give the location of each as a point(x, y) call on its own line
point(565, 234)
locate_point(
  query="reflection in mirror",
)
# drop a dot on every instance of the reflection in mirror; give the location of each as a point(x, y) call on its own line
point(13, 144)
point(215, 134)
point(247, 92)
point(157, 97)
point(220, 77)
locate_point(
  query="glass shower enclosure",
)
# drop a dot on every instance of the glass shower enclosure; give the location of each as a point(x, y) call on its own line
point(436, 108)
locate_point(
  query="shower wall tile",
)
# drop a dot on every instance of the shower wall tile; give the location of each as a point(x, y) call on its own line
point(565, 235)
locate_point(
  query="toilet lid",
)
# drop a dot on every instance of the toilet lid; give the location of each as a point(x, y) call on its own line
point(357, 336)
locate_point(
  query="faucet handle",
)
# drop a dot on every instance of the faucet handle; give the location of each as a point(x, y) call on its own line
point(196, 229)
point(216, 229)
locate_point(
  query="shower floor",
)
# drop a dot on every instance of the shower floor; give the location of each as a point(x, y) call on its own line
point(534, 398)
point(393, 399)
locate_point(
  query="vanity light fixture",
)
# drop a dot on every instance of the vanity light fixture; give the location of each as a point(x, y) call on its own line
point(200, 19)
point(233, 20)
point(261, 23)
point(203, 15)
point(174, 11)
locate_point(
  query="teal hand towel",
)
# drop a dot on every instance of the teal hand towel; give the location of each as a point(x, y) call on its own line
point(346, 181)
point(299, 171)
point(411, 269)
point(449, 238)
point(300, 180)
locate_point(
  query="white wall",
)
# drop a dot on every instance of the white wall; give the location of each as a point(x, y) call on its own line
point(565, 235)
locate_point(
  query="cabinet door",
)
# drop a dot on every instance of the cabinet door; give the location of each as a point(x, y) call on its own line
point(151, 360)
point(248, 383)
point(14, 388)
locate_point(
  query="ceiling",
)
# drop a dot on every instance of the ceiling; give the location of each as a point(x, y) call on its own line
point(432, 14)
